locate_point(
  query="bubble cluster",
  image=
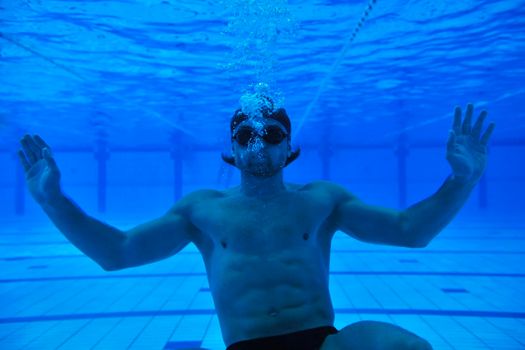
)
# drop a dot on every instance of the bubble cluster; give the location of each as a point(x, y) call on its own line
point(259, 98)
point(255, 27)
point(255, 145)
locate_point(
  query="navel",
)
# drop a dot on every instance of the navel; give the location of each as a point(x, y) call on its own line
point(224, 244)
point(306, 236)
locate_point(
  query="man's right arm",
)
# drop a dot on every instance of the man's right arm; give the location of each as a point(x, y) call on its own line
point(99, 241)
point(114, 249)
point(160, 238)
point(111, 248)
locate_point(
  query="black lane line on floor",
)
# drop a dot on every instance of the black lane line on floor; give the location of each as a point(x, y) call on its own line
point(352, 251)
point(153, 313)
point(203, 274)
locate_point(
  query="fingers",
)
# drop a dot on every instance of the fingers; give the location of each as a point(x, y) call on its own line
point(467, 120)
point(46, 152)
point(24, 161)
point(486, 136)
point(465, 128)
point(32, 150)
point(456, 126)
point(41, 143)
point(476, 130)
point(451, 142)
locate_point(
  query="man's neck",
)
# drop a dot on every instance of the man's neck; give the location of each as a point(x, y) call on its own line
point(259, 186)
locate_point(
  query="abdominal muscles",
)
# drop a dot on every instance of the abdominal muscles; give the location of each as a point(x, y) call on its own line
point(264, 295)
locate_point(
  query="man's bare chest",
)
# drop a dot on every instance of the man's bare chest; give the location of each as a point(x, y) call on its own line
point(260, 226)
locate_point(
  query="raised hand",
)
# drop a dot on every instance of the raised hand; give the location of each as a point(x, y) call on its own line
point(466, 149)
point(42, 174)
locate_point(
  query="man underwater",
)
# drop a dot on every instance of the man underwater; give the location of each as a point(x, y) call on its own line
point(266, 243)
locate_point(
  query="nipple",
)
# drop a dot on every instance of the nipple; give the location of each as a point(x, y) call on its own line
point(223, 243)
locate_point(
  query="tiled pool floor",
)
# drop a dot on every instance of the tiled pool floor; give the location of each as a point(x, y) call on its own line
point(466, 290)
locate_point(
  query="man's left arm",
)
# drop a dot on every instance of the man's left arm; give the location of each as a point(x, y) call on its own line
point(467, 155)
point(424, 220)
point(420, 223)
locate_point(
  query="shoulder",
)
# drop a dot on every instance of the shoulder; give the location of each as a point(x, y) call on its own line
point(194, 198)
point(332, 189)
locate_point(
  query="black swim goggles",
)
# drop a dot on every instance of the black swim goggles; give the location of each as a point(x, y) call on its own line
point(271, 134)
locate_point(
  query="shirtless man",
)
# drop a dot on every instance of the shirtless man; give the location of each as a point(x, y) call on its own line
point(266, 243)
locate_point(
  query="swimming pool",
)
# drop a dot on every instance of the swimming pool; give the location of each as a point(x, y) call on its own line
point(135, 100)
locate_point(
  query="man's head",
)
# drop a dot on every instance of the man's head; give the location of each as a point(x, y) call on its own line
point(261, 137)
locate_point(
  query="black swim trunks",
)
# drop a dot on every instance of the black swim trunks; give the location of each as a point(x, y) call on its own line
point(309, 339)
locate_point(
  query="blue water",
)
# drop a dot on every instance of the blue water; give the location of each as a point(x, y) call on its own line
point(370, 88)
